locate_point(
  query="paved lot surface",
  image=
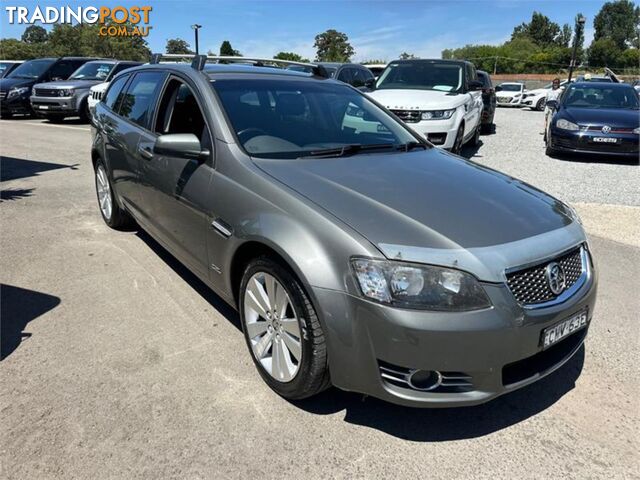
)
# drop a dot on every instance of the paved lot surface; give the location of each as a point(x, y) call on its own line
point(120, 364)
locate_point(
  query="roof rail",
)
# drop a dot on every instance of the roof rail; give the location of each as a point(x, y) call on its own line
point(199, 61)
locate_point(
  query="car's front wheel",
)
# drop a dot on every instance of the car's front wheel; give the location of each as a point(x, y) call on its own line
point(112, 214)
point(541, 104)
point(282, 330)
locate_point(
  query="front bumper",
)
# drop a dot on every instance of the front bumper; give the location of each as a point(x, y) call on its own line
point(16, 104)
point(497, 349)
point(508, 102)
point(627, 145)
point(442, 133)
point(54, 105)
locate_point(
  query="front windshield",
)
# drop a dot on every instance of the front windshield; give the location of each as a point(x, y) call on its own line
point(4, 66)
point(510, 87)
point(93, 71)
point(31, 69)
point(293, 118)
point(601, 96)
point(442, 76)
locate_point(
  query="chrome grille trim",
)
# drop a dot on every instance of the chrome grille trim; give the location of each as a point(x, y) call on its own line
point(577, 268)
point(408, 116)
point(46, 92)
point(400, 376)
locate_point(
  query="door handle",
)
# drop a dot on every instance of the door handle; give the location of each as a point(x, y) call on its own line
point(145, 153)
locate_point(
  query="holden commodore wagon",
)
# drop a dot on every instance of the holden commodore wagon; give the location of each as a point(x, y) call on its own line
point(357, 254)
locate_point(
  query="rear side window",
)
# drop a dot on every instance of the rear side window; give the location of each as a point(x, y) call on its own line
point(345, 75)
point(113, 94)
point(360, 76)
point(141, 93)
point(63, 69)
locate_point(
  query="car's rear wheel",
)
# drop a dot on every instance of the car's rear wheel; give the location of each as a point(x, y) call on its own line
point(282, 330)
point(85, 114)
point(112, 214)
point(475, 140)
point(541, 104)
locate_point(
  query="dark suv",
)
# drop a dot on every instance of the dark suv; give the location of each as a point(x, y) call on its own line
point(352, 73)
point(15, 89)
point(357, 254)
point(489, 100)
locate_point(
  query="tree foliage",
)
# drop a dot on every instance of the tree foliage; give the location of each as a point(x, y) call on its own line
point(79, 39)
point(34, 34)
point(227, 50)
point(541, 30)
point(604, 52)
point(619, 21)
point(178, 46)
point(333, 46)
point(406, 56)
point(292, 57)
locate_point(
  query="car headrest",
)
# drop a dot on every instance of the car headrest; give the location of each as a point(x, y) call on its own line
point(290, 104)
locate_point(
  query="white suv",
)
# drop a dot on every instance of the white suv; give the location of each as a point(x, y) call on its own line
point(440, 100)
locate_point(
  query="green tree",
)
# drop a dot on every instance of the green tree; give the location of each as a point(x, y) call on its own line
point(630, 58)
point(564, 37)
point(604, 52)
point(619, 21)
point(35, 34)
point(541, 30)
point(333, 46)
point(292, 57)
point(227, 50)
point(14, 49)
point(178, 46)
point(406, 56)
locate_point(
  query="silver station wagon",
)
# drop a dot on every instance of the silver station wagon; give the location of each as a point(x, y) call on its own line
point(357, 254)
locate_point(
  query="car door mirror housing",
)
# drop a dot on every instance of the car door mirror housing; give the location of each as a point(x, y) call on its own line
point(475, 85)
point(370, 83)
point(182, 145)
point(553, 104)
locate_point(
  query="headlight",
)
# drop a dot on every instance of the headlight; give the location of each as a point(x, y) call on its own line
point(65, 92)
point(419, 286)
point(567, 125)
point(637, 130)
point(438, 114)
point(516, 95)
point(14, 92)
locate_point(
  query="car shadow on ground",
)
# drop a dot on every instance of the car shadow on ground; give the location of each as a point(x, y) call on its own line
point(470, 151)
point(18, 306)
point(437, 425)
point(192, 280)
point(15, 168)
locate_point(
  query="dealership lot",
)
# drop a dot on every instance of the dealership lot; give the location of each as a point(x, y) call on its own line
point(121, 363)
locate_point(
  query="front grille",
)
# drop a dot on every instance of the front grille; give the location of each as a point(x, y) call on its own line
point(529, 286)
point(408, 116)
point(452, 382)
point(3, 95)
point(613, 129)
point(543, 361)
point(504, 99)
point(47, 92)
point(97, 95)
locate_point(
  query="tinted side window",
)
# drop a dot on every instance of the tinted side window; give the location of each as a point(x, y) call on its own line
point(120, 67)
point(360, 75)
point(345, 75)
point(113, 94)
point(63, 69)
point(141, 93)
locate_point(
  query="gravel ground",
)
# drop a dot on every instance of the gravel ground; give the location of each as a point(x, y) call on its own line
point(517, 148)
point(120, 364)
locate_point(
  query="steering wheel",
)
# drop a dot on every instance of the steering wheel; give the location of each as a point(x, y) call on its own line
point(248, 133)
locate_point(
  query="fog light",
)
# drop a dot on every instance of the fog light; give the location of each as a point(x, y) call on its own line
point(425, 380)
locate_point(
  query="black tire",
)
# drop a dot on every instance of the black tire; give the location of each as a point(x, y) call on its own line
point(313, 374)
point(475, 140)
point(84, 113)
point(120, 218)
point(541, 104)
point(6, 115)
point(55, 118)
point(457, 143)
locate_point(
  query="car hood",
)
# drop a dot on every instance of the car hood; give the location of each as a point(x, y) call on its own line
point(537, 91)
point(424, 201)
point(399, 99)
point(507, 94)
point(7, 84)
point(65, 84)
point(614, 117)
point(100, 87)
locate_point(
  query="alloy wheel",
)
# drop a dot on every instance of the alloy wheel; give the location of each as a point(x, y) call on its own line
point(272, 327)
point(104, 192)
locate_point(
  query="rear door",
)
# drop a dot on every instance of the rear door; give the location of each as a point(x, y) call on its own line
point(474, 103)
point(176, 189)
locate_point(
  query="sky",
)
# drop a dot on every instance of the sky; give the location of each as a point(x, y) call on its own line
point(376, 29)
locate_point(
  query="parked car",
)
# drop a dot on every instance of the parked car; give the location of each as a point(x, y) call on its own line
point(60, 99)
point(489, 101)
point(636, 85)
point(15, 89)
point(509, 94)
point(370, 261)
point(8, 66)
point(95, 95)
point(595, 117)
point(441, 100)
point(352, 73)
point(536, 99)
point(376, 68)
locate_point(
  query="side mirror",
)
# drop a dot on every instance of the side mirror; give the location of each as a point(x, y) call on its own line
point(370, 83)
point(475, 85)
point(552, 104)
point(498, 88)
point(181, 145)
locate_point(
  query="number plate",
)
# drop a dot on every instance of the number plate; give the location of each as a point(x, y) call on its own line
point(605, 140)
point(552, 335)
point(43, 107)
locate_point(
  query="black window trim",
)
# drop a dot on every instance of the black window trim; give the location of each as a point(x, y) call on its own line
point(152, 105)
point(116, 110)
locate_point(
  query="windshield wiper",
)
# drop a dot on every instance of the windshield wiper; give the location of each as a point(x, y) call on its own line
point(411, 145)
point(349, 149)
